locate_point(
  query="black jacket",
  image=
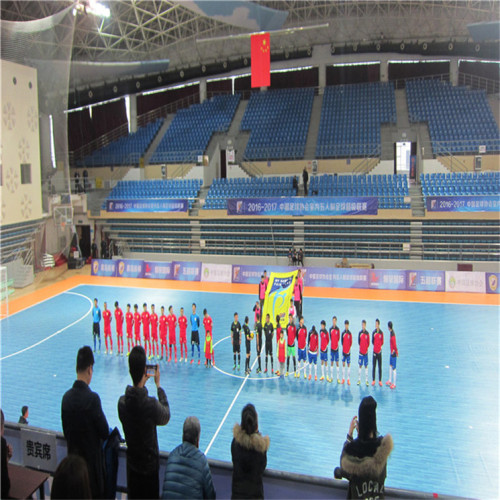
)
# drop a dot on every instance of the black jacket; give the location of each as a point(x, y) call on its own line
point(364, 463)
point(5, 470)
point(139, 415)
point(22, 420)
point(187, 474)
point(249, 454)
point(85, 428)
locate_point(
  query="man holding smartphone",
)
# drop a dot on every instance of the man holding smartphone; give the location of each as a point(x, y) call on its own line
point(140, 414)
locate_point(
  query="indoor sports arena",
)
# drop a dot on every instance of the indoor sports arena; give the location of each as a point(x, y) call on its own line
point(223, 222)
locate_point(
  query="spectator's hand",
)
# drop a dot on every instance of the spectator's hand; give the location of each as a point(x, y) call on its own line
point(354, 425)
point(9, 451)
point(157, 376)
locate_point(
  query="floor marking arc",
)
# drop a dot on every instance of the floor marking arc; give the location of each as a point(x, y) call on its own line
point(55, 333)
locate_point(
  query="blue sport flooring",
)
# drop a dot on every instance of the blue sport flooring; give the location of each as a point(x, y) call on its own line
point(443, 415)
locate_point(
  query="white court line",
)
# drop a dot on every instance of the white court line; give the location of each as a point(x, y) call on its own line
point(55, 333)
point(263, 378)
point(228, 410)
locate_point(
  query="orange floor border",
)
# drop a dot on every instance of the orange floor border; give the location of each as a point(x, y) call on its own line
point(18, 304)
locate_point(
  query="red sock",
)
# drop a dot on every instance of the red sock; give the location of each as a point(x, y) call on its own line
point(175, 347)
point(170, 350)
point(111, 342)
point(106, 342)
point(153, 347)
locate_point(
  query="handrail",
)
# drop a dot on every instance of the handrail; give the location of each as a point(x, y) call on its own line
point(479, 83)
point(142, 120)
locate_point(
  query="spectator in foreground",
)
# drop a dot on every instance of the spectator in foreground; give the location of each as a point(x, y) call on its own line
point(364, 459)
point(71, 479)
point(6, 455)
point(84, 425)
point(140, 414)
point(249, 455)
point(187, 474)
point(23, 419)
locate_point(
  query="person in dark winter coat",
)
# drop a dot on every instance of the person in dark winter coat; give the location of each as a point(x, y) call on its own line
point(249, 455)
point(187, 474)
point(84, 425)
point(140, 414)
point(364, 459)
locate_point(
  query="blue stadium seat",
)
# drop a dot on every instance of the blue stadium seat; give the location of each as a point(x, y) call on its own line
point(278, 121)
point(460, 120)
point(351, 116)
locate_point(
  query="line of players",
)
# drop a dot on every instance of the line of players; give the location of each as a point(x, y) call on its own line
point(156, 345)
point(309, 343)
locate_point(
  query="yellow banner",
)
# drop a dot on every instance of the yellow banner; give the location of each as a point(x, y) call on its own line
point(278, 295)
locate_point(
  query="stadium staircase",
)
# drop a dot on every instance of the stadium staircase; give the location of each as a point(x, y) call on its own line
point(314, 123)
point(157, 139)
point(417, 201)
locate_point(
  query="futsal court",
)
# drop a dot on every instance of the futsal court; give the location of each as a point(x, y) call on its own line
point(443, 415)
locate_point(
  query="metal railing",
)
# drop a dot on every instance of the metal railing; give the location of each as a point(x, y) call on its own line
point(479, 83)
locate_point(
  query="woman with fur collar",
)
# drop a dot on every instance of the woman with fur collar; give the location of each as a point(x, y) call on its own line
point(364, 459)
point(249, 454)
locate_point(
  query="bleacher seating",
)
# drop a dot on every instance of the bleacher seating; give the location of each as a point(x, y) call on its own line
point(476, 240)
point(125, 150)
point(460, 120)
point(390, 189)
point(351, 116)
point(460, 184)
point(250, 187)
point(157, 188)
point(17, 239)
point(192, 128)
point(152, 235)
point(278, 121)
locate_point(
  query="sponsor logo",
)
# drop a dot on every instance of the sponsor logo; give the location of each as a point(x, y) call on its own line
point(95, 266)
point(121, 267)
point(493, 282)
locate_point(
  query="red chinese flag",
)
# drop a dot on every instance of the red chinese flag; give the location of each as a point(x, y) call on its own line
point(261, 60)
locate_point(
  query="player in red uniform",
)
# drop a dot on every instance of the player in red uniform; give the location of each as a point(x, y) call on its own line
point(313, 342)
point(208, 324)
point(163, 332)
point(183, 323)
point(302, 345)
point(107, 317)
point(324, 341)
point(393, 358)
point(281, 348)
point(129, 321)
point(377, 342)
point(278, 328)
point(291, 334)
point(334, 347)
point(119, 328)
point(137, 325)
point(364, 343)
point(146, 319)
point(153, 318)
point(346, 352)
point(172, 322)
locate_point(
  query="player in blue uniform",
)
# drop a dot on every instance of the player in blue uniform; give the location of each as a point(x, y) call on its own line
point(195, 334)
point(96, 320)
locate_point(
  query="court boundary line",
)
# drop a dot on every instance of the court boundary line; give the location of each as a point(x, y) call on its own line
point(32, 346)
point(223, 421)
point(306, 296)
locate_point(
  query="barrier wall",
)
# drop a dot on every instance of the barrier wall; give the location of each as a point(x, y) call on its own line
point(277, 484)
point(331, 277)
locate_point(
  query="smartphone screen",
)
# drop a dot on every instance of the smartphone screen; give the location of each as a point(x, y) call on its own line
point(151, 370)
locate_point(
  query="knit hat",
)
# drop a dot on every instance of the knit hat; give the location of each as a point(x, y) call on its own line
point(367, 417)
